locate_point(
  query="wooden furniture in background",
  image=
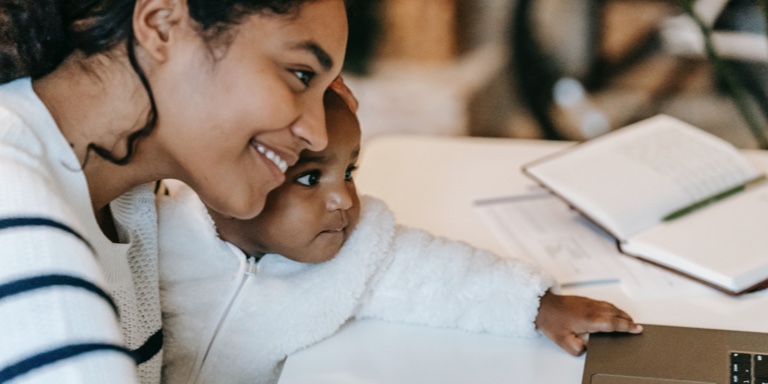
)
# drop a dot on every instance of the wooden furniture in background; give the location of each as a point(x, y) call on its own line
point(423, 30)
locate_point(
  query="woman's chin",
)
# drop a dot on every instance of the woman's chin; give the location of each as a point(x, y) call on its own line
point(249, 212)
point(244, 208)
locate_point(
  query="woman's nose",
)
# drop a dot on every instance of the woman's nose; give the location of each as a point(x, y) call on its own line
point(310, 127)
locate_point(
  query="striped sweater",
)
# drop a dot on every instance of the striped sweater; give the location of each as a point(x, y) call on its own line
point(74, 307)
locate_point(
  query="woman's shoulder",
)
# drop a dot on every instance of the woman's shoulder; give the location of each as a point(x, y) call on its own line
point(40, 174)
point(24, 163)
point(27, 129)
point(16, 137)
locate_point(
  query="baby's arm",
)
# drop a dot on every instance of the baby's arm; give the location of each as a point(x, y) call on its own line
point(442, 283)
point(568, 320)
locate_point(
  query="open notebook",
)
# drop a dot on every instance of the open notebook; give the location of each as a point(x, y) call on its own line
point(671, 194)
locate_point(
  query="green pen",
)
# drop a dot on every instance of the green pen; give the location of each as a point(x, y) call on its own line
point(699, 204)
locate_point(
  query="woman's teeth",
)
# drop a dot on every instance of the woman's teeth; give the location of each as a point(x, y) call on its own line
point(273, 157)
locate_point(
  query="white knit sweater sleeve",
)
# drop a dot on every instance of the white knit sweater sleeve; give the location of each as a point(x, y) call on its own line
point(437, 282)
point(57, 323)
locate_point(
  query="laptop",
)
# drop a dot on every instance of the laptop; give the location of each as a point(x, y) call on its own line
point(677, 355)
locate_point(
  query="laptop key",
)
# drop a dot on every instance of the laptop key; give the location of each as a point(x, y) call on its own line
point(761, 366)
point(741, 379)
point(738, 357)
point(761, 380)
point(741, 369)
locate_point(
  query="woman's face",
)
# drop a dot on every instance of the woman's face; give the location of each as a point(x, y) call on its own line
point(233, 118)
point(310, 216)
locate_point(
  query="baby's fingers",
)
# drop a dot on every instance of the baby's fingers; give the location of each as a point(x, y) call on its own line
point(573, 344)
point(615, 324)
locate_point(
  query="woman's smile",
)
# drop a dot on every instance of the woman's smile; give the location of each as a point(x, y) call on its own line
point(272, 156)
point(277, 161)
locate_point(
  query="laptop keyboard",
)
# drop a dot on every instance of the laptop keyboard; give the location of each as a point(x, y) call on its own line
point(747, 368)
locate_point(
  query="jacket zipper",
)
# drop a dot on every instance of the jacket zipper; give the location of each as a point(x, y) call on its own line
point(251, 269)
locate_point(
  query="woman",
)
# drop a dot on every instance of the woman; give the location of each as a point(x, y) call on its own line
point(104, 98)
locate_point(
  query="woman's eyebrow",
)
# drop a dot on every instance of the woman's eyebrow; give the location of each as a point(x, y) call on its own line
point(322, 56)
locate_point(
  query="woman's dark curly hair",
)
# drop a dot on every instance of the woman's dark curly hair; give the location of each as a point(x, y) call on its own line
point(37, 35)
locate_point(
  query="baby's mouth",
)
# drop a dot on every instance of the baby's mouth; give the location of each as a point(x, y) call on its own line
point(336, 228)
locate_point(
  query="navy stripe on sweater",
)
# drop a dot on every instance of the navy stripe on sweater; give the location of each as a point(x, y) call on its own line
point(141, 355)
point(38, 282)
point(42, 359)
point(151, 347)
point(16, 222)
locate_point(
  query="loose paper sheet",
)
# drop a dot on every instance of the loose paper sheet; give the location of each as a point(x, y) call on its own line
point(543, 230)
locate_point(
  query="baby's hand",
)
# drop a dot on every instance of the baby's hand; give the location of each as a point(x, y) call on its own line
point(568, 320)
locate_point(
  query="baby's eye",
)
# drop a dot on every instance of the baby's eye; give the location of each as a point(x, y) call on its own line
point(304, 76)
point(350, 171)
point(309, 178)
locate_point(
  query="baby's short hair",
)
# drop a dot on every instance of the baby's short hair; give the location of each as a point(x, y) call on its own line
point(332, 100)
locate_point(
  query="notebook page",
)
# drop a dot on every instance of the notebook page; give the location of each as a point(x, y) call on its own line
point(542, 230)
point(628, 180)
point(725, 244)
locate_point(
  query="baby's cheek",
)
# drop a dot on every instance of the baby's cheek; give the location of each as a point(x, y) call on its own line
point(354, 218)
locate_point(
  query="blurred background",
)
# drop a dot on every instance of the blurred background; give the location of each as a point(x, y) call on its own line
point(558, 69)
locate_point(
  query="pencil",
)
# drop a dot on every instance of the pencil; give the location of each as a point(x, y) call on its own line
point(700, 204)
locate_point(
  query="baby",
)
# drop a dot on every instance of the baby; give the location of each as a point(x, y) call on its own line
point(252, 292)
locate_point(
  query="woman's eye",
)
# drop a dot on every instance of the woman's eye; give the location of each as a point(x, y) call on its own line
point(304, 76)
point(309, 179)
point(350, 171)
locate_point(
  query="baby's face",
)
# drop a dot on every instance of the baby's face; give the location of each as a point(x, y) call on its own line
point(310, 216)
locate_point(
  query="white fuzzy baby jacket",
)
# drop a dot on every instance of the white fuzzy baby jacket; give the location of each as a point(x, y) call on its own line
point(229, 319)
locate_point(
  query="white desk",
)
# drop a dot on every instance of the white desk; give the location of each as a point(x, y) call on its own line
point(431, 183)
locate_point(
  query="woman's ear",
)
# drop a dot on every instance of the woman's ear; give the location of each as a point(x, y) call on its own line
point(155, 25)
